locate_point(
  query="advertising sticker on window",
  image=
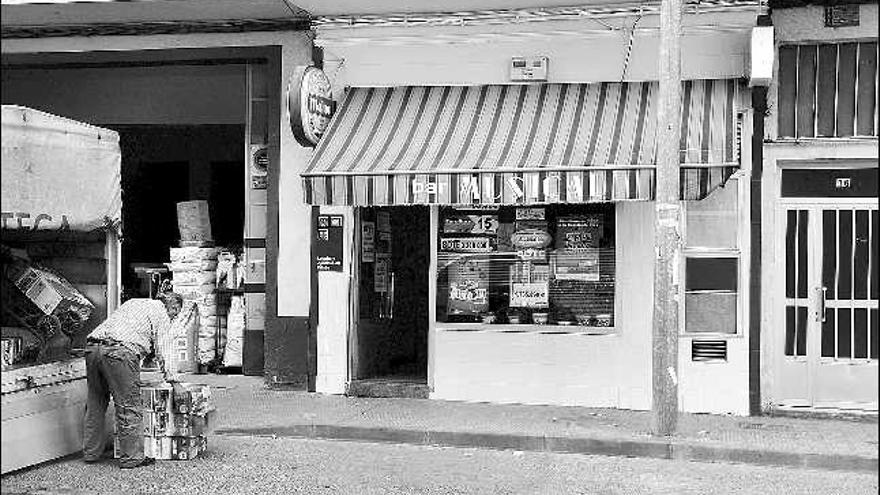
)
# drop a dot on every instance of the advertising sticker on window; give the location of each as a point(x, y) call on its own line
point(529, 295)
point(468, 290)
point(471, 224)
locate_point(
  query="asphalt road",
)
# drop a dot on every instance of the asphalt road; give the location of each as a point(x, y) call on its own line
point(253, 465)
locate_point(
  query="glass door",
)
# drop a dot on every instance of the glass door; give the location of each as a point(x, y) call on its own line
point(829, 337)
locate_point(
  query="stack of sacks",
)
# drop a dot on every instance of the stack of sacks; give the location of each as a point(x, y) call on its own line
point(175, 430)
point(194, 275)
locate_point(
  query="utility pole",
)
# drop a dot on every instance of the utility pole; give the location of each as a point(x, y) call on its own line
point(667, 225)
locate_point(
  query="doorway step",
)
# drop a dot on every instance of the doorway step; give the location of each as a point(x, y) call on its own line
point(394, 387)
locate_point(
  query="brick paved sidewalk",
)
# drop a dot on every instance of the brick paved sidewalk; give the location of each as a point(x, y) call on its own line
point(246, 407)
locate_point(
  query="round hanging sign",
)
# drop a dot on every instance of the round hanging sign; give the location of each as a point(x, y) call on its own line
point(310, 104)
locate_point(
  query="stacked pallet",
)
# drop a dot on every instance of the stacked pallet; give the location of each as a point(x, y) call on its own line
point(175, 429)
point(194, 275)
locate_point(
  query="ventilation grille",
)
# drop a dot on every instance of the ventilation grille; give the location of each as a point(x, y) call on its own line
point(709, 350)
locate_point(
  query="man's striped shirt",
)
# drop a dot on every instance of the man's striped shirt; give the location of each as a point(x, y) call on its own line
point(137, 324)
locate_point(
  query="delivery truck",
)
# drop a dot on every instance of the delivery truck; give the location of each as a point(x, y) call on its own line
point(61, 228)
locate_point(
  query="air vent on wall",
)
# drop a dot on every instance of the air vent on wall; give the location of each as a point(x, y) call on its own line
point(709, 350)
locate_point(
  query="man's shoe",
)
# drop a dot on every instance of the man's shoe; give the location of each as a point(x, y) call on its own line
point(145, 462)
point(90, 460)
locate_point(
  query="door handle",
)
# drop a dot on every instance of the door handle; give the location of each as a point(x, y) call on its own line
point(822, 291)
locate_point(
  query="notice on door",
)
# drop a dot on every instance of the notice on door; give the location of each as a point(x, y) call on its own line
point(328, 243)
point(368, 242)
point(381, 272)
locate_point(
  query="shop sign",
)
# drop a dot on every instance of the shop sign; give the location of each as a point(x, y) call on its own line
point(466, 245)
point(22, 220)
point(381, 271)
point(530, 238)
point(470, 188)
point(471, 224)
point(530, 295)
point(310, 104)
point(259, 166)
point(368, 242)
point(328, 243)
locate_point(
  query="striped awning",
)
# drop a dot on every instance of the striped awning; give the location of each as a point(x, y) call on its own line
point(518, 144)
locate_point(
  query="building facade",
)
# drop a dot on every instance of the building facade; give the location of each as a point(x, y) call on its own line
point(485, 192)
point(197, 92)
point(819, 218)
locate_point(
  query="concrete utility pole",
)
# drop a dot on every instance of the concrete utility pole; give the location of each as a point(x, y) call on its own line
point(667, 229)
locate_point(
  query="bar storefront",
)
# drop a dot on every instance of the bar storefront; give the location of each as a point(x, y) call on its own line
point(501, 246)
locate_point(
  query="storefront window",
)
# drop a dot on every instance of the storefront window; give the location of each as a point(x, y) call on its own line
point(710, 294)
point(712, 257)
point(542, 265)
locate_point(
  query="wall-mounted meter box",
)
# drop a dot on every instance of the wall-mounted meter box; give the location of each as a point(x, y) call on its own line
point(529, 68)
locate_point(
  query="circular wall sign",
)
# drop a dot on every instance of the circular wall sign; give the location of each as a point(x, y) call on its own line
point(309, 104)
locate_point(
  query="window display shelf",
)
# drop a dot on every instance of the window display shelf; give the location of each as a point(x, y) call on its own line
point(526, 328)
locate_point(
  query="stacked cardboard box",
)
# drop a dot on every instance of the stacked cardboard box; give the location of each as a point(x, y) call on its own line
point(194, 275)
point(175, 430)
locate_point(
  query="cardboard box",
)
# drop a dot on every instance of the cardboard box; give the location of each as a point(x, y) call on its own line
point(159, 424)
point(159, 398)
point(174, 448)
point(170, 448)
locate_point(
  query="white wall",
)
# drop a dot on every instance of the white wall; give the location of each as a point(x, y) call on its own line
point(808, 24)
point(579, 51)
point(294, 216)
point(335, 313)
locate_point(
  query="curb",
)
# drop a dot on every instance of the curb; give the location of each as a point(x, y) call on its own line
point(654, 449)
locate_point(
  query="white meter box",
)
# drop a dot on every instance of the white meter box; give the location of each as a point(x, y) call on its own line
point(529, 68)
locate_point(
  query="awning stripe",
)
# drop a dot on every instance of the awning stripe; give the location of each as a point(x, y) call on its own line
point(571, 142)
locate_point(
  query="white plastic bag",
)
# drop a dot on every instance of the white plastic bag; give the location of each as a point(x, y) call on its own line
point(235, 326)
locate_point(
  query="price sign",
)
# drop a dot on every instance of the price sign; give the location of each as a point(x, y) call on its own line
point(471, 224)
point(466, 245)
point(529, 295)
